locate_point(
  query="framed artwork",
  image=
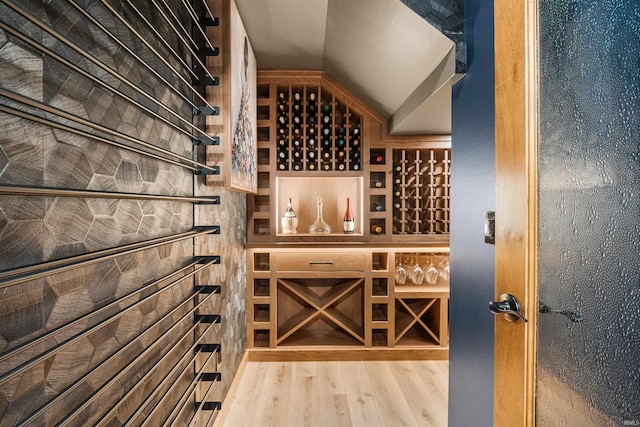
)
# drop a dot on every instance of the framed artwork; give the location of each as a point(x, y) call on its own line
point(243, 155)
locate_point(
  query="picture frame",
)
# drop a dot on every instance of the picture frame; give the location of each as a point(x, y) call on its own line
point(242, 149)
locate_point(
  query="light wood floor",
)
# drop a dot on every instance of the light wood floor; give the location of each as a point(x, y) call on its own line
point(293, 394)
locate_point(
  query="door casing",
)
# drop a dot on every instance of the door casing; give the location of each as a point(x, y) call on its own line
point(516, 112)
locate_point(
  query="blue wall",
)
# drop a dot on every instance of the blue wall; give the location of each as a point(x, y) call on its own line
point(472, 260)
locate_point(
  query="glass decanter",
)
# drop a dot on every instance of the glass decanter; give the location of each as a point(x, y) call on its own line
point(289, 220)
point(319, 227)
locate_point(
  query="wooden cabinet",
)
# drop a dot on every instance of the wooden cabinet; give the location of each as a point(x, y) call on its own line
point(342, 302)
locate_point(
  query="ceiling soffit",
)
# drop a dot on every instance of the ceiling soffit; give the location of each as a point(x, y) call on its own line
point(380, 50)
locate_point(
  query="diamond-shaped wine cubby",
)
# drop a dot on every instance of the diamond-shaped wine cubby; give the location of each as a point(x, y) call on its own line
point(320, 312)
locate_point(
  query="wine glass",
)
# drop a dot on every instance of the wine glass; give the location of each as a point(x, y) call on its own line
point(445, 268)
point(417, 275)
point(401, 273)
point(431, 274)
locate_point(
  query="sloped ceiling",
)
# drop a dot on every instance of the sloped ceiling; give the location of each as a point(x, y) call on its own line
point(379, 49)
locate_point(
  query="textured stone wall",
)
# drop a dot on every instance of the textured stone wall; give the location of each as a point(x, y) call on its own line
point(112, 334)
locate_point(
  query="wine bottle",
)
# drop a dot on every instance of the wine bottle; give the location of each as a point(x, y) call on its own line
point(289, 220)
point(296, 96)
point(349, 222)
point(312, 97)
point(376, 229)
point(341, 166)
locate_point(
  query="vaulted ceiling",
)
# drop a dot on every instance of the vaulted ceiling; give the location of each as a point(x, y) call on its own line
point(380, 50)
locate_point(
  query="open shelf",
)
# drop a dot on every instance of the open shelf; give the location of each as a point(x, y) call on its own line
point(261, 313)
point(379, 337)
point(380, 261)
point(334, 191)
point(260, 287)
point(261, 338)
point(379, 287)
point(379, 312)
point(261, 261)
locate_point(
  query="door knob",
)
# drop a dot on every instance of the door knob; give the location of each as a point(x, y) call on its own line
point(508, 306)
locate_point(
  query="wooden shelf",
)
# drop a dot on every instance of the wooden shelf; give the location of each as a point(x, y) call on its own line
point(348, 304)
point(422, 291)
point(325, 338)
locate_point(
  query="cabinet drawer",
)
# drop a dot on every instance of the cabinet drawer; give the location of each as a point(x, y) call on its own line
point(320, 261)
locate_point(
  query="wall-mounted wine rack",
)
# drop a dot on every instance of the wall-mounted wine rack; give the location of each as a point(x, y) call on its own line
point(421, 186)
point(315, 131)
point(309, 127)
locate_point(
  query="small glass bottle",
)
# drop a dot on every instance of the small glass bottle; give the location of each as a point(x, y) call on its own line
point(289, 220)
point(319, 227)
point(349, 221)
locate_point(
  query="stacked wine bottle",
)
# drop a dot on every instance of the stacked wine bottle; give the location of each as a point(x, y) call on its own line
point(316, 132)
point(282, 131)
point(312, 132)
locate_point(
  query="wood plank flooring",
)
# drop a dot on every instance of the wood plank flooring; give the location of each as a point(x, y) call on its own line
point(293, 394)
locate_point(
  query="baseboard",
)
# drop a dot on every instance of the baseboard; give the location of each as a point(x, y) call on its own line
point(336, 354)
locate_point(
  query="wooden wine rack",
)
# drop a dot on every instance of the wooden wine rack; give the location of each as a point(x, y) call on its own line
point(315, 131)
point(290, 165)
point(421, 190)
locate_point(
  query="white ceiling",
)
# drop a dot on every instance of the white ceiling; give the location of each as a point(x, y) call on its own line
point(380, 50)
